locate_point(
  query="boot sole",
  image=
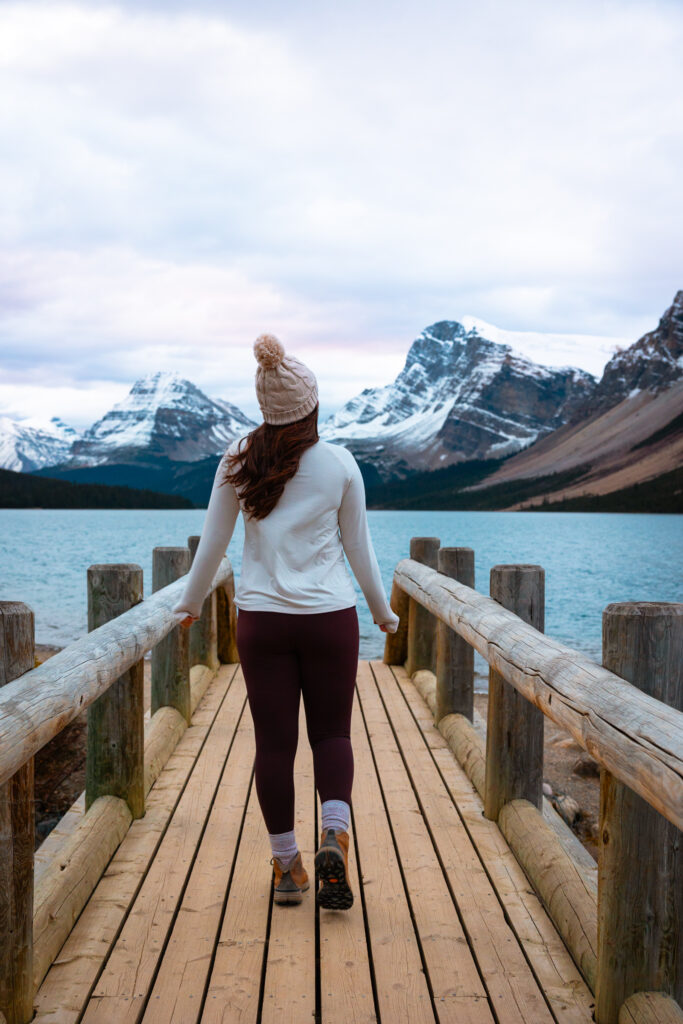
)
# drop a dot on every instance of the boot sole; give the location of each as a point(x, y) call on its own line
point(335, 893)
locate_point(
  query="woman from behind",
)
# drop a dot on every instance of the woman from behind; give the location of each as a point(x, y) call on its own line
point(303, 505)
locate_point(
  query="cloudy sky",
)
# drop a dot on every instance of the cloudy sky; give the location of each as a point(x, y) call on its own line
point(177, 178)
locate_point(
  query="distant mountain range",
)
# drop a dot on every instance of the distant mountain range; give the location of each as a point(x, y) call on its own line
point(461, 398)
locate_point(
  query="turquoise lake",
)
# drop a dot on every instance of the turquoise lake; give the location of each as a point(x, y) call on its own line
point(590, 560)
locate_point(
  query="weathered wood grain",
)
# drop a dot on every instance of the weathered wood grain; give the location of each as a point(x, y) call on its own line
point(171, 656)
point(396, 644)
point(37, 706)
point(17, 656)
point(115, 737)
point(513, 992)
point(454, 656)
point(568, 995)
point(467, 740)
point(226, 621)
point(442, 923)
point(65, 886)
point(639, 739)
point(650, 1008)
point(557, 880)
point(62, 997)
point(421, 623)
point(401, 985)
point(640, 879)
point(514, 727)
point(203, 633)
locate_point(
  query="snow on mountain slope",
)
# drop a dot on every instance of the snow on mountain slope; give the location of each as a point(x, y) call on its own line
point(589, 351)
point(163, 414)
point(459, 396)
point(26, 445)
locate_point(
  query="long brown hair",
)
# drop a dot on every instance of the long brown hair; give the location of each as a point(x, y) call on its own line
point(268, 460)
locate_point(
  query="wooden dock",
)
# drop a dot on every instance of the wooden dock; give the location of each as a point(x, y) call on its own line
point(151, 900)
point(182, 927)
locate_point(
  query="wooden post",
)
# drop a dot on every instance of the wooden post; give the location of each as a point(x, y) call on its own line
point(203, 633)
point(226, 618)
point(421, 623)
point(514, 726)
point(115, 754)
point(171, 656)
point(17, 831)
point(454, 656)
point(396, 644)
point(640, 865)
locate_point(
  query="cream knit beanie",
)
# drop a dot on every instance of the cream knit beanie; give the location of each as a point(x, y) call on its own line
point(286, 389)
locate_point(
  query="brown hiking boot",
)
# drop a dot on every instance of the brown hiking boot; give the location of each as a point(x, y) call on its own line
point(289, 885)
point(332, 869)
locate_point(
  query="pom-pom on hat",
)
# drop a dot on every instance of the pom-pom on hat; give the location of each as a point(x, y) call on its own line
point(286, 389)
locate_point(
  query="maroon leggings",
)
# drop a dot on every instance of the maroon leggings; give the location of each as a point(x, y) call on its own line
point(283, 655)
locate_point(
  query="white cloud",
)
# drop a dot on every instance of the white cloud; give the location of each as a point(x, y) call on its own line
point(179, 178)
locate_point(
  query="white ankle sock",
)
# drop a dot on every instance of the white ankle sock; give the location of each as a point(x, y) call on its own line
point(283, 845)
point(336, 814)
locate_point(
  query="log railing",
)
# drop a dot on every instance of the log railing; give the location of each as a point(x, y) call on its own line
point(626, 933)
point(103, 672)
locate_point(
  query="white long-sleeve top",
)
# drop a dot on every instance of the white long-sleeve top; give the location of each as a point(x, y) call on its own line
point(293, 559)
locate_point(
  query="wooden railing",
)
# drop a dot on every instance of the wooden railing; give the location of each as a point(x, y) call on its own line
point(626, 937)
point(103, 672)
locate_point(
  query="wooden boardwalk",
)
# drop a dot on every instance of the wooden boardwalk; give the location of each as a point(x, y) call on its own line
point(444, 927)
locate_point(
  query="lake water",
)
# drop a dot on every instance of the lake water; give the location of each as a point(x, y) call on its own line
point(590, 560)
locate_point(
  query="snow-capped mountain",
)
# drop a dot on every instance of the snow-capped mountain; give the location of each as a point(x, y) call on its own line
point(162, 415)
point(26, 445)
point(459, 396)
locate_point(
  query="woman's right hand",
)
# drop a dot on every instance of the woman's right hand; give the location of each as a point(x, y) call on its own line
point(188, 620)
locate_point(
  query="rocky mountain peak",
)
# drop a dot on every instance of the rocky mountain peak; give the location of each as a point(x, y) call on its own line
point(652, 363)
point(458, 396)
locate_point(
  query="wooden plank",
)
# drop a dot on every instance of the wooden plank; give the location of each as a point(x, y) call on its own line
point(512, 989)
point(37, 706)
point(121, 991)
point(569, 997)
point(179, 987)
point(289, 993)
point(232, 995)
point(400, 981)
point(160, 742)
point(637, 738)
point(455, 981)
point(67, 986)
point(345, 979)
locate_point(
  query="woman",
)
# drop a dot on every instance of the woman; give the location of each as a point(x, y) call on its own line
point(303, 503)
